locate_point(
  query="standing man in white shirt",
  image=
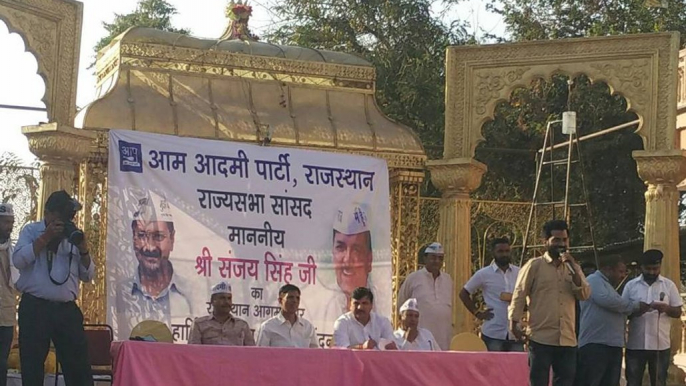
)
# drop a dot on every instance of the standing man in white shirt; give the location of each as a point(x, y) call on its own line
point(410, 337)
point(649, 340)
point(287, 329)
point(361, 328)
point(433, 290)
point(497, 282)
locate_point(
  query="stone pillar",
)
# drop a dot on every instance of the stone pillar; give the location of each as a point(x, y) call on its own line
point(456, 179)
point(662, 171)
point(405, 205)
point(60, 149)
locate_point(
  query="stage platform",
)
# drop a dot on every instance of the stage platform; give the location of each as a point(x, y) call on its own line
point(163, 364)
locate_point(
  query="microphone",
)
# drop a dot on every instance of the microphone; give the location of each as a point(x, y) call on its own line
point(568, 263)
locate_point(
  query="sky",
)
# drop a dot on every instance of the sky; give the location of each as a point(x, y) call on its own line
point(21, 85)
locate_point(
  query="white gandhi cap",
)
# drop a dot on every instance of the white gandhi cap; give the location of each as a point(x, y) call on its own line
point(221, 288)
point(6, 210)
point(152, 208)
point(351, 220)
point(434, 249)
point(409, 305)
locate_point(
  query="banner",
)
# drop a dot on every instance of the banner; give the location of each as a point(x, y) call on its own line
point(185, 214)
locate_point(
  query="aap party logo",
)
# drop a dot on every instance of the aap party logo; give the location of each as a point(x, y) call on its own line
point(130, 157)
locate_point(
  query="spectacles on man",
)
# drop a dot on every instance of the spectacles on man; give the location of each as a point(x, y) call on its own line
point(156, 237)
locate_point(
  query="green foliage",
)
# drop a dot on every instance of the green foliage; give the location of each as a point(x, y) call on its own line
point(553, 19)
point(20, 188)
point(149, 13)
point(615, 191)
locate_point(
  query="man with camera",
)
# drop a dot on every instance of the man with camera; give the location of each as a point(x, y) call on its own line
point(52, 256)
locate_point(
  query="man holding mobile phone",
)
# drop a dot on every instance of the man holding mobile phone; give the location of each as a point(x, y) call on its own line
point(496, 282)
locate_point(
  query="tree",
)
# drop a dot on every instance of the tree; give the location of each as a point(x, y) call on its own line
point(616, 192)
point(554, 19)
point(149, 13)
point(401, 38)
point(516, 134)
point(20, 188)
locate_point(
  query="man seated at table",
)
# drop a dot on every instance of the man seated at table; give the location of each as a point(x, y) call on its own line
point(287, 329)
point(221, 328)
point(410, 337)
point(360, 328)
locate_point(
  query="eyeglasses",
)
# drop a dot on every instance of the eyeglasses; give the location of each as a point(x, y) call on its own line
point(156, 237)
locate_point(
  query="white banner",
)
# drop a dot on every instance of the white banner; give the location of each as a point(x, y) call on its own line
point(185, 214)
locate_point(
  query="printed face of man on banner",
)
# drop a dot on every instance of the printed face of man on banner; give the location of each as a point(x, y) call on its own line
point(352, 248)
point(153, 239)
point(153, 242)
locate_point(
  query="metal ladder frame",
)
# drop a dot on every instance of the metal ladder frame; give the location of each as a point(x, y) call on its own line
point(549, 146)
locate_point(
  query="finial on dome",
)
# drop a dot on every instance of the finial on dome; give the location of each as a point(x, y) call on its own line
point(238, 13)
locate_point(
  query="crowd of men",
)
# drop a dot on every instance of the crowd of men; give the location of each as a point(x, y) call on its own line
point(550, 295)
point(577, 325)
point(580, 327)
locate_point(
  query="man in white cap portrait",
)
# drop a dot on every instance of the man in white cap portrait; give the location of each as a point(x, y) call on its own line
point(433, 290)
point(352, 249)
point(351, 265)
point(155, 292)
point(221, 328)
point(8, 276)
point(411, 337)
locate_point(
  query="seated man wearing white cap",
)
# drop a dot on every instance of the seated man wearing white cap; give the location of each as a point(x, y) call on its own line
point(287, 329)
point(155, 291)
point(410, 336)
point(433, 290)
point(221, 328)
point(361, 328)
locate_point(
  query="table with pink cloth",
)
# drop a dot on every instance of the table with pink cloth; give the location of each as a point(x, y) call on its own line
point(163, 364)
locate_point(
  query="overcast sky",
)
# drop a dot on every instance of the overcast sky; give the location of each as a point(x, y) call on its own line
point(20, 85)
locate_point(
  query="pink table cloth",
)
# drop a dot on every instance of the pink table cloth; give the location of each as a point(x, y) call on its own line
point(163, 364)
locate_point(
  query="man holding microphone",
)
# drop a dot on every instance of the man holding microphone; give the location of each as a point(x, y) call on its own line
point(649, 333)
point(553, 283)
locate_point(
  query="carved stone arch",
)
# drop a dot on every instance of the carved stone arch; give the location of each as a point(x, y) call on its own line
point(642, 68)
point(51, 30)
point(488, 101)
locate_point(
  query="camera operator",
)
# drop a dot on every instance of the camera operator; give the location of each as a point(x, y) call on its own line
point(52, 256)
